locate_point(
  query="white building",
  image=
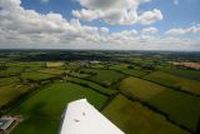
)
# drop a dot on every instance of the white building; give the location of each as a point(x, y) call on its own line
point(6, 122)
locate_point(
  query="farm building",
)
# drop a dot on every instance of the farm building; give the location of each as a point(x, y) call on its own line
point(94, 62)
point(5, 123)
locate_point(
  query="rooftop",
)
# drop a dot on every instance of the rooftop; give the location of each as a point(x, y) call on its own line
point(5, 122)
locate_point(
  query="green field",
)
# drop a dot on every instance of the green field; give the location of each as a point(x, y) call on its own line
point(176, 105)
point(182, 108)
point(133, 118)
point(139, 91)
point(36, 76)
point(53, 71)
point(95, 86)
point(191, 74)
point(97, 66)
point(175, 81)
point(104, 77)
point(42, 112)
point(78, 74)
point(124, 68)
point(140, 88)
point(11, 71)
point(134, 72)
point(54, 64)
point(8, 80)
point(11, 92)
point(26, 64)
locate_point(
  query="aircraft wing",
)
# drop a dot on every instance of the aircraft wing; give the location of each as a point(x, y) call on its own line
point(82, 118)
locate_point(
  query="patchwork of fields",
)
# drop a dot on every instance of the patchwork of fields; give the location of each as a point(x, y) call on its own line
point(42, 112)
point(174, 104)
point(133, 118)
point(175, 82)
point(124, 68)
point(11, 92)
point(140, 96)
point(104, 77)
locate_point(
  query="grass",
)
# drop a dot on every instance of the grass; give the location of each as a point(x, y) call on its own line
point(105, 77)
point(97, 66)
point(133, 118)
point(54, 64)
point(53, 71)
point(36, 76)
point(191, 74)
point(10, 92)
point(27, 64)
point(134, 72)
point(15, 68)
point(124, 68)
point(43, 111)
point(177, 105)
point(180, 107)
point(175, 81)
point(140, 88)
point(93, 85)
point(78, 74)
point(11, 70)
point(7, 81)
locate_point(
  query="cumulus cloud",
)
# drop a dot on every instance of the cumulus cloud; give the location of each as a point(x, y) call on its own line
point(116, 12)
point(195, 29)
point(149, 30)
point(21, 28)
point(30, 27)
point(150, 17)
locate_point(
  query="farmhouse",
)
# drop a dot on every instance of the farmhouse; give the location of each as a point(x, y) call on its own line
point(5, 123)
point(94, 62)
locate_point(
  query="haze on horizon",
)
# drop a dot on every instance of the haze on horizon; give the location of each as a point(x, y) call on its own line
point(100, 24)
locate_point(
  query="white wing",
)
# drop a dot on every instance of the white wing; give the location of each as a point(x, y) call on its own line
point(82, 118)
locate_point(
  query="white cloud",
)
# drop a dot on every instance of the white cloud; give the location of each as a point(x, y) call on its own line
point(181, 31)
point(21, 28)
point(44, 1)
point(18, 25)
point(176, 2)
point(149, 30)
point(150, 17)
point(104, 30)
point(116, 12)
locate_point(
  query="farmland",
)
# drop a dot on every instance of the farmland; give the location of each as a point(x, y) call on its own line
point(129, 70)
point(7, 81)
point(175, 81)
point(36, 76)
point(140, 88)
point(140, 92)
point(90, 84)
point(39, 109)
point(137, 117)
point(10, 92)
point(104, 77)
point(170, 102)
point(191, 74)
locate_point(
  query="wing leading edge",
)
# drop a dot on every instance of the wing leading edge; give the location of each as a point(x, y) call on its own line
point(82, 118)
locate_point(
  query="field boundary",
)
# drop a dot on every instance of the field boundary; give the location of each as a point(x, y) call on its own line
point(158, 111)
point(163, 85)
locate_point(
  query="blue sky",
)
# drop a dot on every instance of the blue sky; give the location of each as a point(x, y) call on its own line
point(184, 14)
point(101, 24)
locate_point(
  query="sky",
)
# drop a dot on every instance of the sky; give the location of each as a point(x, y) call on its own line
point(100, 24)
